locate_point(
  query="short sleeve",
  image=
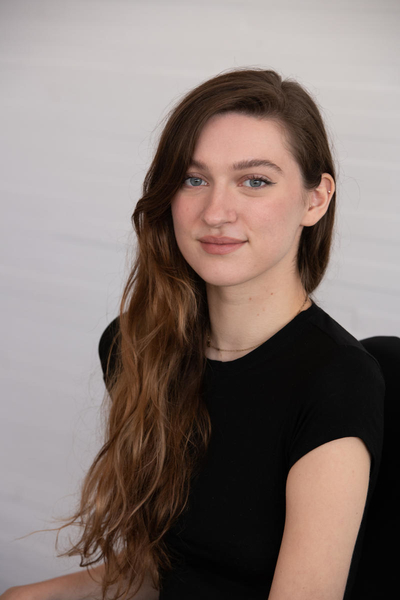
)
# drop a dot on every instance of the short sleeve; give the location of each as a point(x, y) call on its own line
point(344, 399)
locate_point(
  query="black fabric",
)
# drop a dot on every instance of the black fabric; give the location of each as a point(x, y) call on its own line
point(108, 348)
point(311, 383)
point(380, 554)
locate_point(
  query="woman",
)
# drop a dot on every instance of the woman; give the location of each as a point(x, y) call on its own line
point(245, 431)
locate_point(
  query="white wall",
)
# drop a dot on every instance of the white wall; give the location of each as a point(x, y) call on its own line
point(83, 86)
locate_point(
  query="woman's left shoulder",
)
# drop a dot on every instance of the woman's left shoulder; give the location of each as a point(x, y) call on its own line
point(352, 363)
point(336, 341)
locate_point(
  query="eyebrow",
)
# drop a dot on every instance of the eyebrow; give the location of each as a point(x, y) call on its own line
point(243, 164)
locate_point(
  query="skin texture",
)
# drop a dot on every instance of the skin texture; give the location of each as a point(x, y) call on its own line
point(75, 586)
point(326, 492)
point(255, 290)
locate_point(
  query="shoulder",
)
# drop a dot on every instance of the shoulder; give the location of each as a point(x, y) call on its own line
point(332, 348)
point(342, 392)
point(345, 391)
point(348, 366)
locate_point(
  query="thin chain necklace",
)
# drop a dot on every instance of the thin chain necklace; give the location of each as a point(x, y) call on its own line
point(252, 348)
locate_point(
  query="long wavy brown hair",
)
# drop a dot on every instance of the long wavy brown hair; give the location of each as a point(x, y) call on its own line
point(158, 427)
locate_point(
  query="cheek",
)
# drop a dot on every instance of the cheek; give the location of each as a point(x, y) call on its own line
point(180, 213)
point(176, 212)
point(270, 218)
point(275, 223)
point(181, 219)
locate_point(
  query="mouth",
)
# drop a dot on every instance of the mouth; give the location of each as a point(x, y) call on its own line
point(219, 247)
point(208, 239)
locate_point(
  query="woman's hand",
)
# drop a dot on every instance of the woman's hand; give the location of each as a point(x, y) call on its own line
point(75, 586)
point(19, 592)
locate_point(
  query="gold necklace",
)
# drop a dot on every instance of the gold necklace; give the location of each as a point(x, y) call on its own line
point(245, 349)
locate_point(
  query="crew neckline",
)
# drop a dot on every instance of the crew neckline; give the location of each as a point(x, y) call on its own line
point(269, 347)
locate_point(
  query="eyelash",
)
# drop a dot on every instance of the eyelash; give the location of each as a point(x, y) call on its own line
point(250, 178)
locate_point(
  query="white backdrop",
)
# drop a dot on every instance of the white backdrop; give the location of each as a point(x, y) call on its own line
point(84, 85)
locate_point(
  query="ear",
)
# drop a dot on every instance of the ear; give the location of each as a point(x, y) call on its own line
point(317, 200)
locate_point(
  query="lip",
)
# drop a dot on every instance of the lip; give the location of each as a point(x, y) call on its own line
point(222, 245)
point(209, 239)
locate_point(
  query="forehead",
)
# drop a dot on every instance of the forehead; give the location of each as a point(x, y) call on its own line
point(232, 137)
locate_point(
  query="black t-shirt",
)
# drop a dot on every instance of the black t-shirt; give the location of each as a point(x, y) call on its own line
point(310, 383)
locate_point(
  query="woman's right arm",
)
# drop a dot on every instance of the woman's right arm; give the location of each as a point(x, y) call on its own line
point(75, 586)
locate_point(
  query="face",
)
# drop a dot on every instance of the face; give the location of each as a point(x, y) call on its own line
point(229, 192)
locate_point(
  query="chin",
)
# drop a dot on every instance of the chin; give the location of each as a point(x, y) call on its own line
point(222, 280)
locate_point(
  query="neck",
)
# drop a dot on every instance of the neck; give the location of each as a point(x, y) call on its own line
point(240, 319)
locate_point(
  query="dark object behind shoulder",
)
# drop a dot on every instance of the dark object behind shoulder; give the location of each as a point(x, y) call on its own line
point(107, 349)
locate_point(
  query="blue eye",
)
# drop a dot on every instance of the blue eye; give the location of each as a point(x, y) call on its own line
point(258, 181)
point(194, 181)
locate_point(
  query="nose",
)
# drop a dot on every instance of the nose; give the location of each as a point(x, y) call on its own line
point(219, 206)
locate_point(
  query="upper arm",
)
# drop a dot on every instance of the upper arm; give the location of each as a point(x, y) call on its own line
point(326, 492)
